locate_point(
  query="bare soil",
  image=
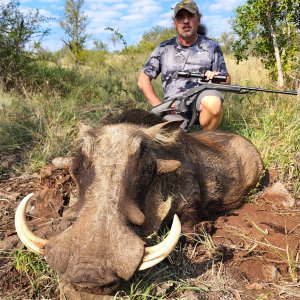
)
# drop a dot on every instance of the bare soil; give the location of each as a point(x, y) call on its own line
point(252, 253)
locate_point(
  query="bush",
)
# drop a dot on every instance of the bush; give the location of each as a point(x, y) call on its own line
point(17, 30)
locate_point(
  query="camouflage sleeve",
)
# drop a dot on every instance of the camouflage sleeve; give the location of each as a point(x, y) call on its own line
point(219, 62)
point(152, 67)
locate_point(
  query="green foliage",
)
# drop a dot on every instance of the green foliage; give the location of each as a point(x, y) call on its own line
point(50, 80)
point(42, 54)
point(153, 38)
point(96, 58)
point(270, 30)
point(117, 37)
point(37, 129)
point(226, 42)
point(16, 127)
point(74, 25)
point(17, 29)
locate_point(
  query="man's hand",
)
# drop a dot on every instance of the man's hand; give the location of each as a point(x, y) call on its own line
point(210, 74)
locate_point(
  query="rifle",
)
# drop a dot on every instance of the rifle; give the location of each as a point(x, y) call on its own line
point(189, 111)
point(226, 87)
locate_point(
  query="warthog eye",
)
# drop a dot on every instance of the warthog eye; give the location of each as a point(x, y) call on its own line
point(140, 173)
point(143, 148)
point(146, 168)
point(76, 170)
point(146, 173)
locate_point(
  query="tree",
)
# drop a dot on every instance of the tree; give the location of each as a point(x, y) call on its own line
point(155, 36)
point(74, 25)
point(99, 45)
point(271, 28)
point(226, 42)
point(117, 37)
point(17, 30)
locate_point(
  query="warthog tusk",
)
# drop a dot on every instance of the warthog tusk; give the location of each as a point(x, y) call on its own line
point(155, 254)
point(27, 237)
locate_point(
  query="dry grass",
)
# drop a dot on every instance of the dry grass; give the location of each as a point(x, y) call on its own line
point(248, 72)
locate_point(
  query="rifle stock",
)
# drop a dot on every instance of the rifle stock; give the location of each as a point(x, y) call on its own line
point(160, 109)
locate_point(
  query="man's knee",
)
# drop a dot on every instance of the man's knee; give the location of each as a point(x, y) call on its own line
point(212, 104)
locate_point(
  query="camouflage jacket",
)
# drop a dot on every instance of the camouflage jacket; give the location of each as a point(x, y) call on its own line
point(170, 57)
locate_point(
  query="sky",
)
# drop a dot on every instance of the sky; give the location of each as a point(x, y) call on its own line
point(129, 17)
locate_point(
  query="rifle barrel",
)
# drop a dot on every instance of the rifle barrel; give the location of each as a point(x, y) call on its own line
point(292, 92)
point(240, 89)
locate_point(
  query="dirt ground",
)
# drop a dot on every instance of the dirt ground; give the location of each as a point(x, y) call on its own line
point(253, 252)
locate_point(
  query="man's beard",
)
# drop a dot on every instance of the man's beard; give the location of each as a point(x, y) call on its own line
point(186, 34)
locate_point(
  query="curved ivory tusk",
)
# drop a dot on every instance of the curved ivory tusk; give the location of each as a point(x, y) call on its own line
point(28, 238)
point(155, 254)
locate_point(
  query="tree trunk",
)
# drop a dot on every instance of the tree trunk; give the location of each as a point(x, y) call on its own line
point(280, 80)
point(278, 62)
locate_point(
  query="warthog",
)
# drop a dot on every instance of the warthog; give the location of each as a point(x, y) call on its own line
point(131, 179)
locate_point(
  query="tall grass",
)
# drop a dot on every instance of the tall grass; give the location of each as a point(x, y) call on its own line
point(41, 123)
point(270, 121)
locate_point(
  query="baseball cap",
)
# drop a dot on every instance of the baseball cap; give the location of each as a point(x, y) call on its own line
point(189, 5)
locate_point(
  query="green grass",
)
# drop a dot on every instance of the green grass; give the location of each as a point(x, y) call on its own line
point(43, 280)
point(272, 124)
point(41, 123)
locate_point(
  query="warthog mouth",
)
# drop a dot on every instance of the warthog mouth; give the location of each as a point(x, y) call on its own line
point(95, 289)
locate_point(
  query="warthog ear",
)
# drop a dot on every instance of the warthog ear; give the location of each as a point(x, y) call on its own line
point(167, 166)
point(165, 133)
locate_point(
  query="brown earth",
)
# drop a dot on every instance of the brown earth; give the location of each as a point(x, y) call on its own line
point(253, 252)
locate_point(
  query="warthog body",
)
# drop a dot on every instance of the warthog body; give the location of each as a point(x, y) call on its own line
point(131, 179)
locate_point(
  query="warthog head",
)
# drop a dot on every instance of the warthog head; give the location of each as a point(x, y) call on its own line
point(114, 170)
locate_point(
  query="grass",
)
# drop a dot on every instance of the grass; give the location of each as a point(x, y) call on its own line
point(161, 282)
point(180, 276)
point(270, 121)
point(42, 278)
point(41, 123)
